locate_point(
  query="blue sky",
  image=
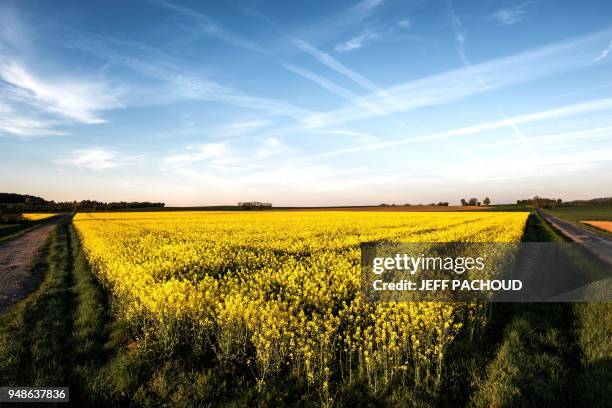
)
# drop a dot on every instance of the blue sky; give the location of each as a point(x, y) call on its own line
point(306, 103)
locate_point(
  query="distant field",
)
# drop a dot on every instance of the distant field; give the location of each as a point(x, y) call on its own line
point(603, 225)
point(397, 208)
point(580, 213)
point(38, 216)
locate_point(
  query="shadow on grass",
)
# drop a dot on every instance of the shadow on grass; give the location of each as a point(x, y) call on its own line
point(534, 354)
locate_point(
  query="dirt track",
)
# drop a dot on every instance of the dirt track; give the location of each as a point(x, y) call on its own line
point(17, 256)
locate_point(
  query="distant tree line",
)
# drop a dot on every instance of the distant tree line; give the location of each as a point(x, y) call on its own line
point(18, 203)
point(475, 202)
point(594, 201)
point(254, 205)
point(540, 202)
point(12, 198)
point(440, 203)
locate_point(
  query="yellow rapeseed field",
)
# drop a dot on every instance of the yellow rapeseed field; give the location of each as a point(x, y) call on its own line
point(37, 216)
point(280, 291)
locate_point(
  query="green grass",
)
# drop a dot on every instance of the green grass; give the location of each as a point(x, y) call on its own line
point(583, 212)
point(550, 354)
point(12, 231)
point(55, 337)
point(33, 350)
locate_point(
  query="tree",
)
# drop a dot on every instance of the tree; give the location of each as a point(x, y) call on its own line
point(463, 202)
point(473, 201)
point(486, 201)
point(536, 201)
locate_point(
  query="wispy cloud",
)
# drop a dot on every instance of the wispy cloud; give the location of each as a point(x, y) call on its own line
point(517, 168)
point(460, 38)
point(332, 87)
point(270, 146)
point(240, 128)
point(98, 159)
point(357, 42)
point(404, 23)
point(77, 100)
point(180, 84)
point(551, 139)
point(332, 63)
point(210, 27)
point(512, 14)
point(520, 136)
point(471, 80)
point(35, 99)
point(460, 34)
point(223, 158)
point(318, 79)
point(604, 53)
point(570, 110)
point(36, 105)
point(365, 6)
point(15, 124)
point(359, 136)
point(216, 153)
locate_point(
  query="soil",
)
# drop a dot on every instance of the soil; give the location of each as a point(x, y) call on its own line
point(17, 259)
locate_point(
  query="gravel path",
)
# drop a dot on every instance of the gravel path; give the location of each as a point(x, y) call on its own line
point(17, 257)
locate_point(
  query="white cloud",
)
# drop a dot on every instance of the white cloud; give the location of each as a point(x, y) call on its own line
point(36, 99)
point(13, 123)
point(356, 42)
point(323, 82)
point(359, 136)
point(98, 158)
point(270, 146)
point(512, 14)
point(503, 169)
point(214, 152)
point(468, 81)
point(78, 100)
point(460, 34)
point(157, 66)
point(404, 23)
point(366, 6)
point(36, 104)
point(604, 53)
point(219, 164)
point(240, 128)
point(334, 64)
point(570, 110)
point(520, 136)
point(210, 27)
point(331, 86)
point(552, 139)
